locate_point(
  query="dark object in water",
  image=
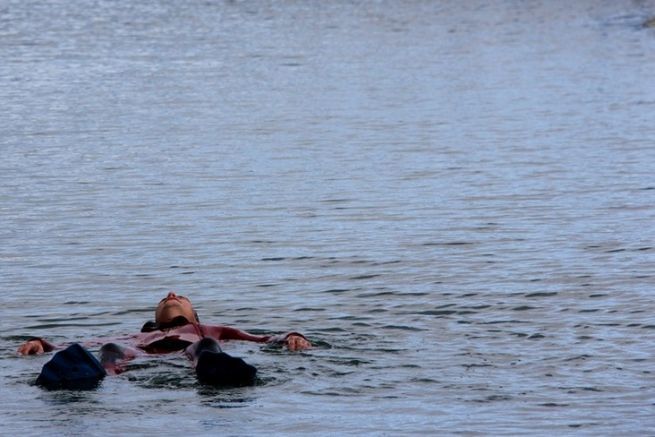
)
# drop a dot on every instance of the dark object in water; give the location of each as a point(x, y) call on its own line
point(110, 353)
point(73, 368)
point(650, 22)
point(221, 369)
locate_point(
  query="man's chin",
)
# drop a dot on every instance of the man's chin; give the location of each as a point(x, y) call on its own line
point(168, 314)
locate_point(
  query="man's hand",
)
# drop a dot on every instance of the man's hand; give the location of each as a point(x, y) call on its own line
point(297, 343)
point(31, 347)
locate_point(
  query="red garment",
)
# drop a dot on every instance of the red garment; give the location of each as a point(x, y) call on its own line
point(178, 338)
point(166, 340)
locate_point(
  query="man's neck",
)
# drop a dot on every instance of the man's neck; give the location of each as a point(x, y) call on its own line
point(175, 323)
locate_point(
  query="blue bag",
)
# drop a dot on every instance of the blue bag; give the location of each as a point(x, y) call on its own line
point(221, 369)
point(72, 368)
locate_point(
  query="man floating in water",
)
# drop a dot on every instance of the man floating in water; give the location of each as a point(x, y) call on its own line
point(176, 328)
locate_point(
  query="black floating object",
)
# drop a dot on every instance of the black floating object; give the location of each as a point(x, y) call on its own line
point(221, 369)
point(74, 368)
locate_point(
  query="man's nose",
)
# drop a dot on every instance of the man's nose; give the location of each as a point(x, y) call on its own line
point(171, 294)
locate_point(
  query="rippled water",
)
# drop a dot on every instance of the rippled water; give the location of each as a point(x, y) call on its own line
point(453, 200)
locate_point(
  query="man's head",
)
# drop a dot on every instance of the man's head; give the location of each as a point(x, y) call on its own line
point(173, 306)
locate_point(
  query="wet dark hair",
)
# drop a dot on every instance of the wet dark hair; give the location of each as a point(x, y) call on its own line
point(151, 326)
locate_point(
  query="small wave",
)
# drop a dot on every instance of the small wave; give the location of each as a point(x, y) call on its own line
point(448, 243)
point(542, 294)
point(61, 325)
point(494, 398)
point(360, 277)
point(336, 290)
point(403, 327)
point(438, 312)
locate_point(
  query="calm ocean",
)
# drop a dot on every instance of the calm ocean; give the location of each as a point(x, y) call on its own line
point(453, 199)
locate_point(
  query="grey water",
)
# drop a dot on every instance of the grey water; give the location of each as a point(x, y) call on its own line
point(453, 200)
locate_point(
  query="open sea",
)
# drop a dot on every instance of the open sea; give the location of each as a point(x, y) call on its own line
point(454, 200)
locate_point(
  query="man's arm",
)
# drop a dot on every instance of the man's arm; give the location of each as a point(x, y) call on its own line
point(294, 341)
point(227, 333)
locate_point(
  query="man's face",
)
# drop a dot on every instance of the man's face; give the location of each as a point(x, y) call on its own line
point(173, 306)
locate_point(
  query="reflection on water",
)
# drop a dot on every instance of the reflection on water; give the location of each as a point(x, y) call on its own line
point(452, 200)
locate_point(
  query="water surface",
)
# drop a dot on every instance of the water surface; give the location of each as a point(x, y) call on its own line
point(453, 200)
